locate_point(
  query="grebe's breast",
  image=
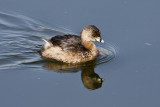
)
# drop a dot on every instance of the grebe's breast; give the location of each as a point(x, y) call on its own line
point(68, 43)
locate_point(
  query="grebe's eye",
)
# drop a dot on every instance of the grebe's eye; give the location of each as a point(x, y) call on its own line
point(94, 36)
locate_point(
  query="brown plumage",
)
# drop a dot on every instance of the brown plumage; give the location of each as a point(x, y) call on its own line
point(72, 48)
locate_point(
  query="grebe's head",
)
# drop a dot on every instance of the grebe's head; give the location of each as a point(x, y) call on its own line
point(91, 33)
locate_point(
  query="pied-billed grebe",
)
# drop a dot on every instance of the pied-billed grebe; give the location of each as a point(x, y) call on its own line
point(72, 48)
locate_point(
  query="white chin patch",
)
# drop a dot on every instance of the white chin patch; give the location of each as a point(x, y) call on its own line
point(98, 39)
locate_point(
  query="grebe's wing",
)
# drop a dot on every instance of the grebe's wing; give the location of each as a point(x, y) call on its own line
point(68, 42)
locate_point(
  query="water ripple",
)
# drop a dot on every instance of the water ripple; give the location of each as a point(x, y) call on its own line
point(21, 39)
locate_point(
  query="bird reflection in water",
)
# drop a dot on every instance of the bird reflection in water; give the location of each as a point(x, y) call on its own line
point(90, 79)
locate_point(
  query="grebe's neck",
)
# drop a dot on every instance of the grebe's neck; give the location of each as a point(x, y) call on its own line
point(89, 45)
point(85, 39)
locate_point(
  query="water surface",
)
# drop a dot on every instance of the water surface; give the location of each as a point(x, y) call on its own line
point(131, 78)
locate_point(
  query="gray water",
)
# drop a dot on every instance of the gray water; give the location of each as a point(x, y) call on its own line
point(130, 68)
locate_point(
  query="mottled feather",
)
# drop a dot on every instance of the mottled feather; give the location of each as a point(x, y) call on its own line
point(68, 43)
